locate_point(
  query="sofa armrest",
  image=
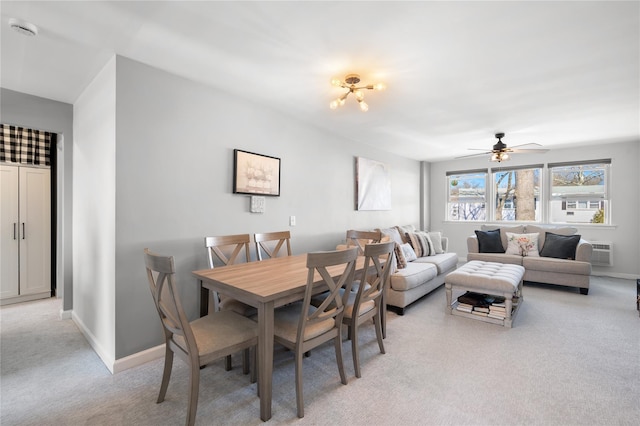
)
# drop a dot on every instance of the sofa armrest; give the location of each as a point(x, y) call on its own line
point(472, 244)
point(584, 251)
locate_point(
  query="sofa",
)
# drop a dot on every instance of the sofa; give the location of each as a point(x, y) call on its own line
point(550, 255)
point(414, 278)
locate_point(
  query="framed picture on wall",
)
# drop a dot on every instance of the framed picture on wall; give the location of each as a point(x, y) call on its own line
point(373, 184)
point(255, 174)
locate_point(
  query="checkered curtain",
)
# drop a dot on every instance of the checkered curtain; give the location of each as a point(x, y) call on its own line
point(24, 146)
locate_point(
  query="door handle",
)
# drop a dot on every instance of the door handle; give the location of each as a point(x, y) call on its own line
point(23, 231)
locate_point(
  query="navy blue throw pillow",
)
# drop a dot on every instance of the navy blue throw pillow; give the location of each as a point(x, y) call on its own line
point(560, 246)
point(489, 241)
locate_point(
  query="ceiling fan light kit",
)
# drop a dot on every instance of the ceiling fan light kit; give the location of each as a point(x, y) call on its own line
point(350, 83)
point(500, 152)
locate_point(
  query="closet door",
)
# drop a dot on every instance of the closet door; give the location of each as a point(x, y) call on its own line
point(9, 220)
point(35, 230)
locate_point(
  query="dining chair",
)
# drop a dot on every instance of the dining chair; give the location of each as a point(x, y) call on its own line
point(272, 242)
point(301, 327)
point(228, 249)
point(198, 342)
point(367, 302)
point(361, 238)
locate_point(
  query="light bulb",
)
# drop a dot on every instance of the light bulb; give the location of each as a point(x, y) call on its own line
point(359, 95)
point(505, 156)
point(495, 157)
point(333, 104)
point(363, 106)
point(336, 82)
point(341, 101)
point(379, 86)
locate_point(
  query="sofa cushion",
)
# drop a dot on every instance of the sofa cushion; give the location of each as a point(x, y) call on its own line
point(444, 261)
point(549, 264)
point(436, 239)
point(522, 244)
point(518, 229)
point(496, 257)
point(542, 230)
point(414, 275)
point(421, 243)
point(560, 246)
point(489, 241)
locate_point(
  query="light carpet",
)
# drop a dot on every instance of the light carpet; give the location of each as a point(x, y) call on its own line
point(569, 360)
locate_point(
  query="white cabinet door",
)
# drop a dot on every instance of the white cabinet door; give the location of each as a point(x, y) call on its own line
point(9, 285)
point(35, 230)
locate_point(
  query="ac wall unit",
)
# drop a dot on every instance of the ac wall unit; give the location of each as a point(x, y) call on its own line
point(602, 253)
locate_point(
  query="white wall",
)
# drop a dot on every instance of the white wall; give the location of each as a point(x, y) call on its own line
point(624, 231)
point(94, 212)
point(174, 163)
point(24, 110)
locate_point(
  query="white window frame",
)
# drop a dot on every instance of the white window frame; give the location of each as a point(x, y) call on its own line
point(539, 200)
point(460, 175)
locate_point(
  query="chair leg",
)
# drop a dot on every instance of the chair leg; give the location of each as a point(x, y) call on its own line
point(355, 351)
point(227, 363)
point(338, 344)
point(299, 396)
point(194, 382)
point(379, 332)
point(245, 361)
point(166, 374)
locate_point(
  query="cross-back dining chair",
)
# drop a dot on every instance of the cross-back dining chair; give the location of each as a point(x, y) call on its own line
point(272, 242)
point(301, 327)
point(367, 302)
point(360, 238)
point(228, 249)
point(198, 342)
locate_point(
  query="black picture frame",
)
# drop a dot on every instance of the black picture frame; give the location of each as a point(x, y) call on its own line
point(255, 174)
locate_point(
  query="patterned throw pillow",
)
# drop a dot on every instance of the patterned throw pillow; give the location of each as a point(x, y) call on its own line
point(408, 252)
point(420, 242)
point(522, 244)
point(401, 261)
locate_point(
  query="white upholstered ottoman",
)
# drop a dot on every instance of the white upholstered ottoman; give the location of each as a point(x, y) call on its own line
point(498, 279)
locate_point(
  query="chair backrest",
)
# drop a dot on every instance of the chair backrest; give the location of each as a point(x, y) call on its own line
point(332, 306)
point(378, 264)
point(360, 238)
point(161, 276)
point(272, 242)
point(237, 243)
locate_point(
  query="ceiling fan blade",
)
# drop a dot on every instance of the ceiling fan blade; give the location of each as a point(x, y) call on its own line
point(525, 151)
point(532, 145)
point(475, 155)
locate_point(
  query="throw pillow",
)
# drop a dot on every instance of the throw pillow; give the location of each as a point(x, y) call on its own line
point(436, 239)
point(393, 234)
point(560, 246)
point(401, 261)
point(420, 243)
point(489, 241)
point(522, 244)
point(408, 252)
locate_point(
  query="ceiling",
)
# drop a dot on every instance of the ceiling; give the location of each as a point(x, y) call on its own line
point(553, 73)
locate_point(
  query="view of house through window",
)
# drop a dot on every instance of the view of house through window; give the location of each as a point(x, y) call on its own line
point(517, 194)
point(467, 195)
point(577, 193)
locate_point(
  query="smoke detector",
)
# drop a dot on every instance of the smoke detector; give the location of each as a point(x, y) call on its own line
point(23, 27)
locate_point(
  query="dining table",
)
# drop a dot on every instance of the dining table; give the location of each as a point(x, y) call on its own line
point(265, 285)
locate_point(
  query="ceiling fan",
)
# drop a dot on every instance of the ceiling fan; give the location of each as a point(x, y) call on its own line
point(500, 152)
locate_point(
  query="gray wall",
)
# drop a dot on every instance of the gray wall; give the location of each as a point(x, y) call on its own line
point(624, 231)
point(25, 110)
point(174, 142)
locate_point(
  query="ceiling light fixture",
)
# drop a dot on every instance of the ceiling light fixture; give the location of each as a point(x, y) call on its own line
point(349, 83)
point(499, 156)
point(22, 27)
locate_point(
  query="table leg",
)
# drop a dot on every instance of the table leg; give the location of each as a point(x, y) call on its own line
point(265, 358)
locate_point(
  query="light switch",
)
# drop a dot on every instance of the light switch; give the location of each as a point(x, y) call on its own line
point(292, 221)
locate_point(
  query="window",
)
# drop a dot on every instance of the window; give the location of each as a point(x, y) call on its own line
point(579, 192)
point(467, 195)
point(517, 193)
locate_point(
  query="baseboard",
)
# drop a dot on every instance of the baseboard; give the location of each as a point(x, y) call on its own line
point(104, 356)
point(615, 275)
point(138, 358)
